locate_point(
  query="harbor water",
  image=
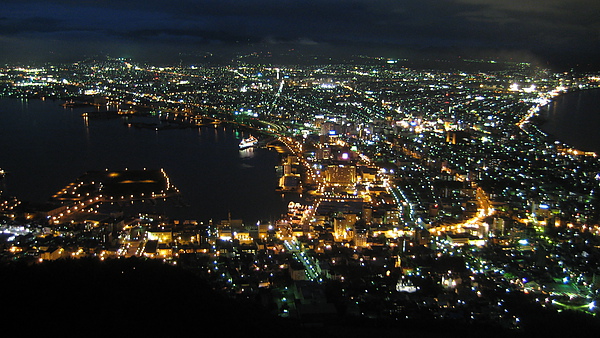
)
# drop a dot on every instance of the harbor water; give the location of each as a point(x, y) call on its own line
point(45, 146)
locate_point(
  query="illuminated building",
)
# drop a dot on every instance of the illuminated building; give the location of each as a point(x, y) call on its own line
point(289, 182)
point(343, 227)
point(361, 237)
point(50, 254)
point(151, 249)
point(327, 132)
point(227, 228)
point(341, 174)
point(367, 214)
point(368, 174)
point(163, 236)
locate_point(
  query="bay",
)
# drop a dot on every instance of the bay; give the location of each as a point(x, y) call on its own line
point(44, 146)
point(574, 119)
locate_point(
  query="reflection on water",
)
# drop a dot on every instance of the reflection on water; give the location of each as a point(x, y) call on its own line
point(45, 147)
point(247, 153)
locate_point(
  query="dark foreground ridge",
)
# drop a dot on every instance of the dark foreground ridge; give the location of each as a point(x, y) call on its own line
point(89, 297)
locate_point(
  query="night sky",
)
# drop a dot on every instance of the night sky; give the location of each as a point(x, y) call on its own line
point(554, 32)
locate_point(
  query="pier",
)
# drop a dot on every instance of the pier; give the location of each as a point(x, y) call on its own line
point(97, 187)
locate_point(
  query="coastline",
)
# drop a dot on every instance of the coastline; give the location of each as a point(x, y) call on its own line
point(538, 120)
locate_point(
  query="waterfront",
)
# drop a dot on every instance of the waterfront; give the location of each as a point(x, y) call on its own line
point(574, 118)
point(46, 146)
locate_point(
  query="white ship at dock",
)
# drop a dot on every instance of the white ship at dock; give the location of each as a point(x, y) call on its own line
point(248, 142)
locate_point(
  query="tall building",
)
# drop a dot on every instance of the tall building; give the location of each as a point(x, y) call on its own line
point(343, 227)
point(328, 132)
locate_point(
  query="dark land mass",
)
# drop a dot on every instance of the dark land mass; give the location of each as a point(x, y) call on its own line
point(138, 297)
point(122, 297)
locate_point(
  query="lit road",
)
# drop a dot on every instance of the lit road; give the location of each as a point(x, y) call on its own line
point(484, 209)
point(131, 249)
point(312, 269)
point(404, 204)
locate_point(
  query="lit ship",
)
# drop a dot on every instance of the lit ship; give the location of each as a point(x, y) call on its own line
point(248, 142)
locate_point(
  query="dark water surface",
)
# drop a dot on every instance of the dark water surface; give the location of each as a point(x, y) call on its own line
point(574, 118)
point(44, 146)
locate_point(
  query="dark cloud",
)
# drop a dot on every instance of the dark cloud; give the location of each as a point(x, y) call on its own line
point(550, 29)
point(13, 26)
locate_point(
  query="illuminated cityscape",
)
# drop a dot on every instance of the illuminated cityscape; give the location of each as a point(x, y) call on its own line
point(417, 194)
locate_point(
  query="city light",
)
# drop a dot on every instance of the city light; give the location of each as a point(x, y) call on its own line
point(394, 180)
